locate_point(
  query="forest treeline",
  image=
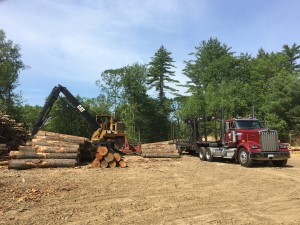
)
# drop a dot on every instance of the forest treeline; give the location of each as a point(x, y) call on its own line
point(267, 83)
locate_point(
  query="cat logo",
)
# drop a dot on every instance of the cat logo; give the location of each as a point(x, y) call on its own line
point(80, 108)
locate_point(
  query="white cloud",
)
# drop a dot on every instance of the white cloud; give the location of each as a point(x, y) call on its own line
point(74, 41)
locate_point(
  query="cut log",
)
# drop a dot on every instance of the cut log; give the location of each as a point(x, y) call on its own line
point(50, 135)
point(33, 155)
point(104, 164)
point(55, 143)
point(99, 156)
point(59, 138)
point(117, 157)
point(161, 155)
point(3, 148)
point(96, 163)
point(112, 164)
point(3, 163)
point(27, 148)
point(53, 149)
point(109, 157)
point(122, 164)
point(103, 150)
point(22, 164)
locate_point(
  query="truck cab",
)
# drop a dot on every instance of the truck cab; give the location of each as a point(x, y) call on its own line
point(246, 141)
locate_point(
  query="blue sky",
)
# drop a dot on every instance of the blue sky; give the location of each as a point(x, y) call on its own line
point(72, 42)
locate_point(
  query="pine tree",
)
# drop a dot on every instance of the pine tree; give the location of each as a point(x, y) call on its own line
point(160, 73)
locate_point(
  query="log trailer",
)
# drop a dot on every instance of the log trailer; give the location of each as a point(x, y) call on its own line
point(243, 140)
point(106, 131)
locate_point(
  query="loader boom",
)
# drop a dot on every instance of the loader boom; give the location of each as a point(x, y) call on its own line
point(72, 101)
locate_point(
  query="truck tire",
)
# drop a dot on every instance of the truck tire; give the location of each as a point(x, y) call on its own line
point(244, 158)
point(202, 153)
point(279, 163)
point(208, 155)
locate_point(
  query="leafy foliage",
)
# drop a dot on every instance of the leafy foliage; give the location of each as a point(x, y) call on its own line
point(10, 67)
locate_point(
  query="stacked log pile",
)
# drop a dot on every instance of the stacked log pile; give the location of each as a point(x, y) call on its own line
point(3, 149)
point(11, 133)
point(47, 150)
point(107, 159)
point(165, 149)
point(4, 155)
point(294, 149)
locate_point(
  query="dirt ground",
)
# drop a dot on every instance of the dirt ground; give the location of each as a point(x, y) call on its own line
point(153, 191)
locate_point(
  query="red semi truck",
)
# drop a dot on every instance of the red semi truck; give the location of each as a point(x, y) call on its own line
point(244, 140)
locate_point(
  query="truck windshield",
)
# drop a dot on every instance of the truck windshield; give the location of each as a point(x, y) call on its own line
point(248, 124)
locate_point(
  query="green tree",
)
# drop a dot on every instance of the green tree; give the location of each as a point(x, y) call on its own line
point(111, 87)
point(134, 106)
point(208, 71)
point(10, 67)
point(160, 73)
point(67, 120)
point(293, 54)
point(134, 96)
point(160, 77)
point(30, 115)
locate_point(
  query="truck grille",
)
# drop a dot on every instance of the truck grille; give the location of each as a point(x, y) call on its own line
point(269, 141)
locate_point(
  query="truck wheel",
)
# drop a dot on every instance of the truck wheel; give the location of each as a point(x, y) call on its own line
point(208, 155)
point(279, 163)
point(244, 158)
point(202, 154)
